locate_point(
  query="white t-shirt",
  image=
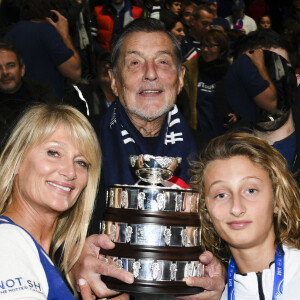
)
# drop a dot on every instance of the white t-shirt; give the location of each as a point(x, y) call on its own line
point(22, 275)
point(246, 286)
point(249, 24)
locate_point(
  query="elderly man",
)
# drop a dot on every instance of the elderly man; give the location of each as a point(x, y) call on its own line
point(146, 76)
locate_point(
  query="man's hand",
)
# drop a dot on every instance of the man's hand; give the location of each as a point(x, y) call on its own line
point(213, 282)
point(257, 57)
point(61, 25)
point(70, 68)
point(90, 266)
point(267, 99)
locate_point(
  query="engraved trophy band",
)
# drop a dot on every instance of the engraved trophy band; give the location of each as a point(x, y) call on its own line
point(158, 270)
point(152, 234)
point(152, 198)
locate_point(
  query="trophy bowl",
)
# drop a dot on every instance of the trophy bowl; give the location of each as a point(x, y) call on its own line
point(154, 169)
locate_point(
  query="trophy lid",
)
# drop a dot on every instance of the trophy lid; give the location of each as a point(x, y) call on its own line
point(154, 169)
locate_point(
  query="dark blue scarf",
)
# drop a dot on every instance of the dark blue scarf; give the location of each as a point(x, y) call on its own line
point(119, 138)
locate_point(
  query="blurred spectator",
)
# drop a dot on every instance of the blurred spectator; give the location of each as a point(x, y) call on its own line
point(95, 97)
point(46, 45)
point(186, 13)
point(201, 20)
point(249, 88)
point(82, 32)
point(202, 100)
point(16, 91)
point(218, 21)
point(281, 127)
point(238, 20)
point(111, 17)
point(264, 21)
point(174, 6)
point(152, 8)
point(174, 25)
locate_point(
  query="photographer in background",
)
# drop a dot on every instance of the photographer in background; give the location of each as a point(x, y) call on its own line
point(46, 45)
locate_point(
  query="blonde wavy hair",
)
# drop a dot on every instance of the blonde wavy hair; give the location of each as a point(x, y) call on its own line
point(35, 126)
point(285, 188)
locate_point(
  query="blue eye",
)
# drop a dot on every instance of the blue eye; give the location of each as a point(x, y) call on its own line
point(221, 196)
point(82, 163)
point(52, 153)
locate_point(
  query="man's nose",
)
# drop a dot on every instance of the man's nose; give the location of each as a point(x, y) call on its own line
point(150, 71)
point(3, 71)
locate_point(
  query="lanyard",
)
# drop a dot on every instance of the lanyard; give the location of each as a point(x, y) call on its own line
point(278, 276)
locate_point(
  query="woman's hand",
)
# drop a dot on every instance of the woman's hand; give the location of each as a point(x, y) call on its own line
point(90, 267)
point(213, 282)
point(85, 290)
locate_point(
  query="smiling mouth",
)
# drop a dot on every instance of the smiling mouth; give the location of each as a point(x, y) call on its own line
point(67, 189)
point(149, 92)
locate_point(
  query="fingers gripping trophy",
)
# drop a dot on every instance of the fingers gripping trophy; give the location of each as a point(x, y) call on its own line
point(156, 230)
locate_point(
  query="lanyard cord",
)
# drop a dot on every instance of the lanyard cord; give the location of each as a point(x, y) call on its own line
point(278, 275)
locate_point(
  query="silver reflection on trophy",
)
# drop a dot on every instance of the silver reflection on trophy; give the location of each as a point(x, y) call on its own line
point(154, 169)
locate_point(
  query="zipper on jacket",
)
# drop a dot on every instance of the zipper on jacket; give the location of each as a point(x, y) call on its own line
point(260, 287)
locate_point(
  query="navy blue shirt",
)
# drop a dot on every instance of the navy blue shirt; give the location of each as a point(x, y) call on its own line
point(43, 51)
point(221, 22)
point(190, 48)
point(287, 147)
point(207, 121)
point(242, 83)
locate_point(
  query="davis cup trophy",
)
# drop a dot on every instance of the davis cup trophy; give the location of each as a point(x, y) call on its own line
point(156, 230)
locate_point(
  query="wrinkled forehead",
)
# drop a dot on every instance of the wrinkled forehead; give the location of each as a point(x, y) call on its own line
point(138, 38)
point(140, 43)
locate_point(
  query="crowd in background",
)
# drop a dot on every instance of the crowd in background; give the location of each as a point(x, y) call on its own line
point(241, 72)
point(73, 63)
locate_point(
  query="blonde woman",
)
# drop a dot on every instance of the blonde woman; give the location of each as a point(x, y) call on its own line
point(49, 173)
point(250, 207)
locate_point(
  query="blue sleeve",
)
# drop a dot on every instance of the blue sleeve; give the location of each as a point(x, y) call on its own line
point(250, 77)
point(53, 42)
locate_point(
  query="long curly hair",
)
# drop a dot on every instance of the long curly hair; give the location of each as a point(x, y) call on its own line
point(285, 188)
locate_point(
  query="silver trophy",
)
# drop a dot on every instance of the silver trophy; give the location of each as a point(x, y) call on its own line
point(154, 169)
point(156, 230)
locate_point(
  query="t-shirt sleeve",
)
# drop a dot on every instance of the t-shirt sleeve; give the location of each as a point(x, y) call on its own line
point(21, 273)
point(54, 45)
point(248, 74)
